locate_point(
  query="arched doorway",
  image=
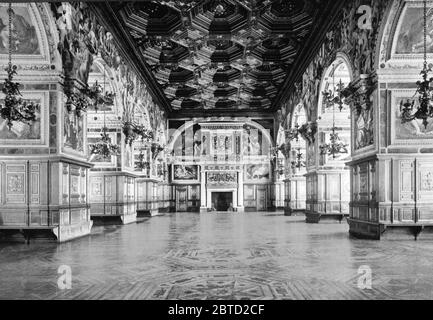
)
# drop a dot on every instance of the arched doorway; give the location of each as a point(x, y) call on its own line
point(296, 166)
point(328, 179)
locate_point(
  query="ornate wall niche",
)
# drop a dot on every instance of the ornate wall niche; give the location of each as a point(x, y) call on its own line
point(410, 133)
point(74, 137)
point(34, 134)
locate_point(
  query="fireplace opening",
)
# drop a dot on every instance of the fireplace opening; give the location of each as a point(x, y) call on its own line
point(221, 201)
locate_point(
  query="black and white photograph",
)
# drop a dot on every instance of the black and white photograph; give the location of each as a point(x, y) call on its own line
point(229, 152)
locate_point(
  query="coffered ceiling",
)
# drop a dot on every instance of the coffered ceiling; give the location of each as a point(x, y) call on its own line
point(220, 55)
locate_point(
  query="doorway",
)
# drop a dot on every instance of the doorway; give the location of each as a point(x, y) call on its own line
point(181, 199)
point(221, 201)
point(261, 199)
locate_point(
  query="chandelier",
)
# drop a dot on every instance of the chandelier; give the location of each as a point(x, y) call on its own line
point(336, 146)
point(14, 107)
point(104, 147)
point(424, 90)
point(331, 99)
point(141, 162)
point(99, 95)
point(308, 131)
point(299, 162)
point(132, 131)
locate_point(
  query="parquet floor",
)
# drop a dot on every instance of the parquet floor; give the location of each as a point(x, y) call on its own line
point(218, 256)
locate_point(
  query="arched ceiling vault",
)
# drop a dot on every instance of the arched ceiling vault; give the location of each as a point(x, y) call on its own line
point(219, 56)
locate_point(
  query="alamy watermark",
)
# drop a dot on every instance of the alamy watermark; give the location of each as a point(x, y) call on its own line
point(365, 280)
point(364, 21)
point(64, 282)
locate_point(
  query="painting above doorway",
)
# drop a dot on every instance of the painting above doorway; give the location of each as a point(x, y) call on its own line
point(185, 172)
point(257, 172)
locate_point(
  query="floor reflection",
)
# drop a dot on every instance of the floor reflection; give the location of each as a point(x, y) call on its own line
point(218, 256)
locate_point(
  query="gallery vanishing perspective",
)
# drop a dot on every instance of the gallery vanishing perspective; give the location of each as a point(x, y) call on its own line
point(205, 131)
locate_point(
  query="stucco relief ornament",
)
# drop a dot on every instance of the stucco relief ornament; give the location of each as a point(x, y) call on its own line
point(335, 145)
point(424, 110)
point(293, 133)
point(156, 149)
point(14, 107)
point(285, 149)
point(308, 131)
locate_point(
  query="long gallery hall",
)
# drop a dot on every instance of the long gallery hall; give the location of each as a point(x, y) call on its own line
point(216, 150)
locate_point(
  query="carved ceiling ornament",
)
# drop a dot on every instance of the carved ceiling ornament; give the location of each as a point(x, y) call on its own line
point(225, 54)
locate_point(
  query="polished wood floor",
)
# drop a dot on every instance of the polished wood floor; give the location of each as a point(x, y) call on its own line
point(218, 256)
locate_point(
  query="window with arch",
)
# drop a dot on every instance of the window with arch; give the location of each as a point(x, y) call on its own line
point(334, 114)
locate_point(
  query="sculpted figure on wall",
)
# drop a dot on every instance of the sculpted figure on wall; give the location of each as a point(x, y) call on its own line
point(77, 44)
point(81, 39)
point(357, 39)
point(359, 95)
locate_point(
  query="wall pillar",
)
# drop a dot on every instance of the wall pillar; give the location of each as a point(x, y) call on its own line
point(392, 171)
point(203, 196)
point(44, 171)
point(240, 207)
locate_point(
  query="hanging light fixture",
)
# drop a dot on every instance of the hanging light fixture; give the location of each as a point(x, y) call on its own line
point(99, 95)
point(299, 162)
point(142, 163)
point(14, 107)
point(104, 147)
point(336, 146)
point(424, 90)
point(330, 98)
